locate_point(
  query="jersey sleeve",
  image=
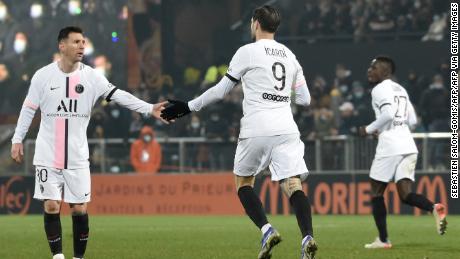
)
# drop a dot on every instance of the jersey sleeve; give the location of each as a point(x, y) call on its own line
point(382, 96)
point(34, 94)
point(299, 78)
point(103, 87)
point(239, 64)
point(30, 105)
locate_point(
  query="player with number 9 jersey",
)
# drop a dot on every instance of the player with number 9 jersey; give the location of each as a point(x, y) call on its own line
point(269, 72)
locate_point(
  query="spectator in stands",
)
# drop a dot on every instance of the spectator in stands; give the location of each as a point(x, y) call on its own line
point(195, 128)
point(98, 120)
point(117, 116)
point(434, 105)
point(381, 22)
point(146, 154)
point(308, 23)
point(349, 123)
point(103, 66)
point(326, 17)
point(437, 28)
point(324, 124)
point(135, 125)
point(435, 114)
point(5, 83)
point(343, 80)
point(414, 85)
point(319, 93)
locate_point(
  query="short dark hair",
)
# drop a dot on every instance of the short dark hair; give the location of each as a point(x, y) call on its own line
point(64, 32)
point(387, 60)
point(268, 17)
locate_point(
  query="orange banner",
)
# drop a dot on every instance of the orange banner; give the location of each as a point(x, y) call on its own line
point(212, 194)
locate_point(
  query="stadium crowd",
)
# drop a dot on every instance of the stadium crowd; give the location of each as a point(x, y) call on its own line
point(363, 20)
point(340, 103)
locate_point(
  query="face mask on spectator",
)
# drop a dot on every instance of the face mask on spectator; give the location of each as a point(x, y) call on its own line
point(214, 117)
point(147, 138)
point(436, 86)
point(343, 88)
point(36, 11)
point(20, 46)
point(3, 12)
point(115, 113)
point(359, 94)
point(195, 125)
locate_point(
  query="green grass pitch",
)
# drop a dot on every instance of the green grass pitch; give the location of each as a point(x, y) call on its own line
point(203, 237)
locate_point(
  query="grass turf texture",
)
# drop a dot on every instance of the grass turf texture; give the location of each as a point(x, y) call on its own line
point(230, 237)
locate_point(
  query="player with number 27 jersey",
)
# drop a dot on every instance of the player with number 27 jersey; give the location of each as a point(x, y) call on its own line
point(395, 137)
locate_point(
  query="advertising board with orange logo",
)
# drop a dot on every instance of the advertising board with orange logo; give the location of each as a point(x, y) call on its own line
point(214, 194)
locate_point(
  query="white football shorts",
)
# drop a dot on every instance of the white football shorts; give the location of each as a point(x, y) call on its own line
point(283, 154)
point(383, 169)
point(70, 185)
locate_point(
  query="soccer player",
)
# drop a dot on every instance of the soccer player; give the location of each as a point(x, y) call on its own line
point(396, 153)
point(65, 91)
point(269, 136)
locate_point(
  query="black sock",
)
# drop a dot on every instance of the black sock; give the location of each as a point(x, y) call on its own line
point(252, 205)
point(419, 201)
point(53, 232)
point(380, 216)
point(299, 201)
point(80, 234)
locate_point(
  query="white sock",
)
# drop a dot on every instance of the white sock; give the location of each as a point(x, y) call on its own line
point(303, 240)
point(265, 228)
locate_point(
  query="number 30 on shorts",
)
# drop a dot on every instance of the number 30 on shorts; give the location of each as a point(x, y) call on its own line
point(42, 175)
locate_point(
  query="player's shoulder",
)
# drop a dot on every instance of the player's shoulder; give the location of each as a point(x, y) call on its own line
point(46, 70)
point(246, 48)
point(386, 84)
point(90, 73)
point(86, 69)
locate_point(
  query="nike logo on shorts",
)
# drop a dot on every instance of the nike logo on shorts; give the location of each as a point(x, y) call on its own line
point(54, 88)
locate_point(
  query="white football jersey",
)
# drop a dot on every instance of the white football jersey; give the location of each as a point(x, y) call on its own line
point(395, 137)
point(65, 102)
point(268, 71)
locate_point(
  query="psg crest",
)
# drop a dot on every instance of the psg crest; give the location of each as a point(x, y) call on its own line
point(79, 88)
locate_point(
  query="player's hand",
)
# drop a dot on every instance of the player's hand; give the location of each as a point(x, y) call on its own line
point(175, 110)
point(362, 131)
point(17, 152)
point(156, 111)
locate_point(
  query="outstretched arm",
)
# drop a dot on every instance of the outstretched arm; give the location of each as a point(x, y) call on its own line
point(213, 94)
point(179, 109)
point(133, 103)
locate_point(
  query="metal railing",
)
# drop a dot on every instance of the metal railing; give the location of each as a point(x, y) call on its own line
point(344, 154)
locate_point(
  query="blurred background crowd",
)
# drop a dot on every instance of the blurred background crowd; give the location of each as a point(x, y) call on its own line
point(162, 50)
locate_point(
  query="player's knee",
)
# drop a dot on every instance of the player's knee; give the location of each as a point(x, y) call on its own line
point(78, 208)
point(403, 196)
point(404, 187)
point(52, 206)
point(291, 185)
point(241, 181)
